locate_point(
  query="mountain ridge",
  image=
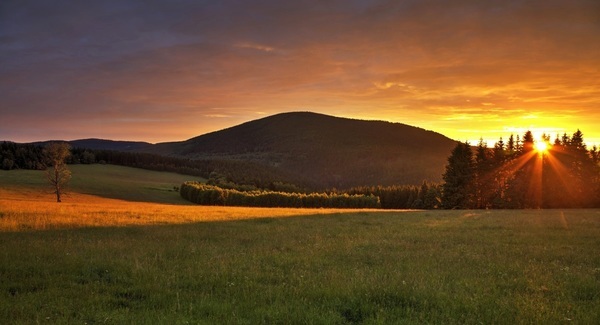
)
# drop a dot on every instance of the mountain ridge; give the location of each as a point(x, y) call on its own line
point(314, 148)
point(333, 151)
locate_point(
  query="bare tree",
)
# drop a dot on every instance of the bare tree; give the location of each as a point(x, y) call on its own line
point(58, 174)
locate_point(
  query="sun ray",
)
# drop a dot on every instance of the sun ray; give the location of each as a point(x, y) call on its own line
point(541, 147)
point(560, 171)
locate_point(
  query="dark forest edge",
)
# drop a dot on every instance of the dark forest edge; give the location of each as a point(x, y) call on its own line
point(227, 174)
point(516, 175)
point(32, 156)
point(510, 175)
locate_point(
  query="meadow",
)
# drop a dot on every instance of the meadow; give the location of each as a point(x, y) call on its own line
point(120, 258)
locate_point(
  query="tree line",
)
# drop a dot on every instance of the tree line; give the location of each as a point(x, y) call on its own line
point(223, 172)
point(426, 196)
point(205, 194)
point(509, 175)
point(516, 175)
point(52, 157)
point(22, 156)
point(242, 173)
point(37, 157)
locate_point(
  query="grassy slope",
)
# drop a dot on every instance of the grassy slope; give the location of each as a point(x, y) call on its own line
point(463, 267)
point(131, 184)
point(27, 204)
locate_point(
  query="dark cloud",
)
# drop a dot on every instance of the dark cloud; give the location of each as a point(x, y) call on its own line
point(169, 70)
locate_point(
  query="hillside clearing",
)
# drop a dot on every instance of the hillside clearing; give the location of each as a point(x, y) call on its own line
point(110, 181)
point(123, 197)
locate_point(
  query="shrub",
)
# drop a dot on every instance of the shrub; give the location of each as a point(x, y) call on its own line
point(205, 194)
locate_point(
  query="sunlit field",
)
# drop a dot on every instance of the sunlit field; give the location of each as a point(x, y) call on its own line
point(26, 203)
point(103, 260)
point(20, 212)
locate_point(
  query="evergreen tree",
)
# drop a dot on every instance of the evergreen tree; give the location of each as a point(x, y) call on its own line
point(498, 173)
point(582, 171)
point(511, 147)
point(556, 141)
point(566, 141)
point(595, 154)
point(528, 142)
point(524, 188)
point(483, 176)
point(499, 151)
point(567, 175)
point(432, 198)
point(458, 178)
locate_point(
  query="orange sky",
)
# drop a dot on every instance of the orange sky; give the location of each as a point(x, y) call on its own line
point(168, 71)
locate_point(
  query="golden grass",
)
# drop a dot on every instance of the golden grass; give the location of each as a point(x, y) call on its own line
point(23, 210)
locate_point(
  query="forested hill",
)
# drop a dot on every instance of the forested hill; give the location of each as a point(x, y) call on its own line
point(102, 144)
point(326, 150)
point(99, 144)
point(307, 149)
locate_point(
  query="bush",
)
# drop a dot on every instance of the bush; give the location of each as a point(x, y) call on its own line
point(212, 195)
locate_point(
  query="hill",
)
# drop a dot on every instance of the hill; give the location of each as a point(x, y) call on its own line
point(108, 181)
point(324, 150)
point(101, 144)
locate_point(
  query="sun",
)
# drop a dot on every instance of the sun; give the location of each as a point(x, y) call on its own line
point(541, 146)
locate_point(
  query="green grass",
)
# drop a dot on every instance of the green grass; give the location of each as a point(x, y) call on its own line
point(439, 267)
point(117, 182)
point(436, 267)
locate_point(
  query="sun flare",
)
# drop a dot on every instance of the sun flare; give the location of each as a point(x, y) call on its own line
point(541, 146)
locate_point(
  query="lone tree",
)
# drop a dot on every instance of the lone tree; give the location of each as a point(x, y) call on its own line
point(58, 174)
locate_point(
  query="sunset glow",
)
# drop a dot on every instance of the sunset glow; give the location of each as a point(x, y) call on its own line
point(541, 146)
point(130, 70)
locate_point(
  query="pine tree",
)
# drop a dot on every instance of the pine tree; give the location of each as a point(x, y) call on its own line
point(557, 141)
point(595, 154)
point(567, 175)
point(582, 170)
point(511, 147)
point(458, 178)
point(483, 176)
point(523, 188)
point(498, 174)
point(528, 142)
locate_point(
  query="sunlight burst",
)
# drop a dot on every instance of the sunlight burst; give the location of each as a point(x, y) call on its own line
point(541, 146)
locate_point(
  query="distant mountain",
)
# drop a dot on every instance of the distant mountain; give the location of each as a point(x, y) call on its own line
point(325, 150)
point(100, 144)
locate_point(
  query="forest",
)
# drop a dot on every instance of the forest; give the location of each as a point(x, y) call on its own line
point(516, 174)
point(242, 176)
point(223, 171)
point(521, 174)
point(204, 194)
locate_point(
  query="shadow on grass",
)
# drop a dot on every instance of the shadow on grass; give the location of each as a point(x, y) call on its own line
point(357, 267)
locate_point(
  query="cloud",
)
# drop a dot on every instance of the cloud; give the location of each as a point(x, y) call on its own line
point(246, 45)
point(85, 69)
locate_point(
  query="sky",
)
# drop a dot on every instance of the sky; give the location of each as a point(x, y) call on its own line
point(159, 71)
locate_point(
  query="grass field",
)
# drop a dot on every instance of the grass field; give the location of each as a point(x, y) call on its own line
point(109, 181)
point(102, 260)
